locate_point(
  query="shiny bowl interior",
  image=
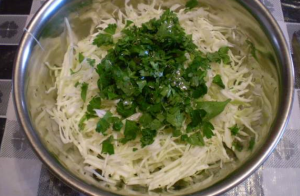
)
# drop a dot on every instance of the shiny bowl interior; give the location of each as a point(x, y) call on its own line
point(251, 16)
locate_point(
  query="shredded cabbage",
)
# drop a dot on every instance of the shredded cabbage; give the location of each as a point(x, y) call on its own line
point(165, 162)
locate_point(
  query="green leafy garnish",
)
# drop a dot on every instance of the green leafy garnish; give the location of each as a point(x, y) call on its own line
point(103, 124)
point(130, 132)
point(111, 29)
point(84, 88)
point(80, 57)
point(146, 71)
point(81, 122)
point(218, 81)
point(117, 123)
point(195, 139)
point(147, 137)
point(191, 4)
point(95, 103)
point(252, 48)
point(212, 108)
point(103, 40)
point(175, 117)
point(234, 130)
point(251, 143)
point(238, 146)
point(221, 55)
point(91, 62)
point(107, 146)
point(207, 129)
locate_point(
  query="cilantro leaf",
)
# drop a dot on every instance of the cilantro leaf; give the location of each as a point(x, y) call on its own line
point(111, 29)
point(103, 40)
point(95, 103)
point(91, 62)
point(147, 137)
point(84, 88)
point(191, 4)
point(218, 81)
point(212, 108)
point(80, 57)
point(253, 49)
point(130, 132)
point(175, 117)
point(128, 23)
point(195, 139)
point(200, 91)
point(251, 143)
point(126, 111)
point(107, 146)
point(103, 124)
point(145, 120)
point(207, 129)
point(117, 123)
point(220, 55)
point(234, 130)
point(196, 119)
point(81, 122)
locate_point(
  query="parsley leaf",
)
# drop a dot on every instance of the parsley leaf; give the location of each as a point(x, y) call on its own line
point(191, 4)
point(212, 108)
point(95, 103)
point(175, 117)
point(145, 120)
point(195, 139)
point(147, 137)
point(126, 111)
point(253, 49)
point(251, 143)
point(220, 55)
point(91, 62)
point(234, 130)
point(84, 88)
point(103, 123)
point(107, 146)
point(103, 40)
point(130, 132)
point(111, 29)
point(81, 122)
point(207, 129)
point(117, 123)
point(80, 57)
point(218, 81)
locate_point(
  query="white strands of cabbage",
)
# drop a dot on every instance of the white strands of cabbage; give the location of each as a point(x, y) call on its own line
point(166, 161)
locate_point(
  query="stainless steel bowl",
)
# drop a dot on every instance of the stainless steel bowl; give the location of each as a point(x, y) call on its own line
point(251, 14)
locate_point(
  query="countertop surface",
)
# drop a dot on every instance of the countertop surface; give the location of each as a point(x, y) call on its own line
point(22, 173)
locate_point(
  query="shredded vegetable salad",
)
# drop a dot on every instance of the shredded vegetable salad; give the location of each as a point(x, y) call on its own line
point(157, 96)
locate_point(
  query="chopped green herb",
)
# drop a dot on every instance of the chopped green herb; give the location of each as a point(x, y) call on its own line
point(107, 146)
point(91, 62)
point(220, 55)
point(218, 81)
point(128, 23)
point(117, 123)
point(111, 29)
point(207, 129)
point(95, 103)
point(103, 40)
point(191, 4)
point(76, 84)
point(196, 139)
point(130, 132)
point(81, 122)
point(147, 137)
point(251, 143)
point(134, 149)
point(80, 57)
point(175, 117)
point(103, 124)
point(234, 130)
point(84, 88)
point(212, 108)
point(252, 48)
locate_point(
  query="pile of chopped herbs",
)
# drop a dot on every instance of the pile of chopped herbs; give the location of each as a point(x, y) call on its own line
point(156, 70)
